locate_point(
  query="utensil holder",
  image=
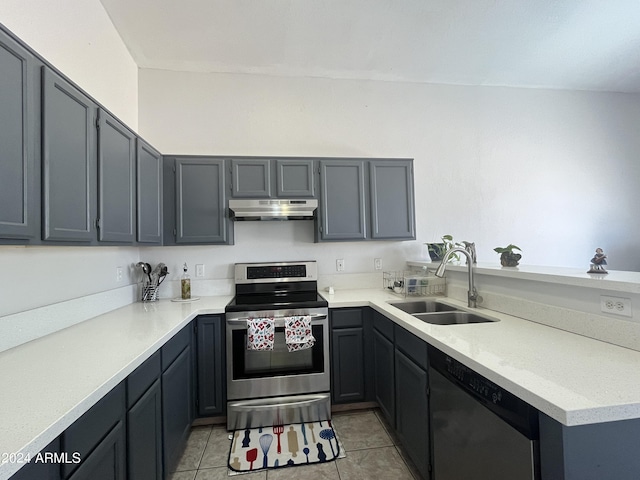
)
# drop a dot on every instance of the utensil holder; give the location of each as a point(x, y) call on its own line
point(149, 292)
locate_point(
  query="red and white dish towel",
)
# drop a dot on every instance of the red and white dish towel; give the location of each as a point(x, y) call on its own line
point(260, 333)
point(297, 332)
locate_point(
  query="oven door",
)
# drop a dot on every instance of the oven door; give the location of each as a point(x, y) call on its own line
point(259, 374)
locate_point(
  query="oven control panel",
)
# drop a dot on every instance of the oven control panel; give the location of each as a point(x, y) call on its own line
point(270, 272)
point(287, 271)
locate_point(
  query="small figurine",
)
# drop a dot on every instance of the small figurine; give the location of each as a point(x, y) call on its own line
point(598, 262)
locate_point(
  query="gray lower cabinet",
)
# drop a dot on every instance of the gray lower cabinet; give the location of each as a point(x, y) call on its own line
point(384, 367)
point(392, 199)
point(342, 213)
point(210, 345)
point(18, 195)
point(177, 397)
point(195, 201)
point(412, 400)
point(68, 161)
point(107, 461)
point(149, 194)
point(40, 467)
point(144, 421)
point(116, 180)
point(347, 355)
point(98, 439)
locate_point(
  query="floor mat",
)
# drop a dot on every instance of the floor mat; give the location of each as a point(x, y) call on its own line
point(283, 446)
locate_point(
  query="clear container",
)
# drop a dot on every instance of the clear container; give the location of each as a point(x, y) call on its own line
point(185, 284)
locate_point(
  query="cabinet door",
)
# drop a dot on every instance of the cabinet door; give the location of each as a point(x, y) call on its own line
point(42, 470)
point(384, 383)
point(211, 358)
point(412, 411)
point(68, 160)
point(392, 199)
point(144, 436)
point(107, 461)
point(149, 193)
point(251, 178)
point(342, 200)
point(294, 178)
point(177, 402)
point(200, 201)
point(116, 185)
point(17, 187)
point(85, 434)
point(347, 365)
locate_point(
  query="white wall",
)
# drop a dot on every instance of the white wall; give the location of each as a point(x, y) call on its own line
point(77, 37)
point(551, 171)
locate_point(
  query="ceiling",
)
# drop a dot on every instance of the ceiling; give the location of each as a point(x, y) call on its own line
point(565, 44)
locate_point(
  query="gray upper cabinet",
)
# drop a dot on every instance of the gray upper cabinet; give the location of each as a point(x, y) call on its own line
point(200, 209)
point(149, 191)
point(68, 161)
point(342, 200)
point(116, 184)
point(294, 178)
point(251, 178)
point(272, 177)
point(18, 199)
point(392, 199)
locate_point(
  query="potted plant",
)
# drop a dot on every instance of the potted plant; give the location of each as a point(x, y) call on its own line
point(437, 250)
point(507, 256)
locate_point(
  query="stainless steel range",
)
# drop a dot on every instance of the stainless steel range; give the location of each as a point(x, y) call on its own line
point(273, 386)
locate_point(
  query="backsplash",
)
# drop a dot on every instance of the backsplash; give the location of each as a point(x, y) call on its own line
point(569, 308)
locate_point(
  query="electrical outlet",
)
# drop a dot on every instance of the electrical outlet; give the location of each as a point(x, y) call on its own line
point(119, 274)
point(199, 270)
point(377, 263)
point(616, 305)
point(340, 265)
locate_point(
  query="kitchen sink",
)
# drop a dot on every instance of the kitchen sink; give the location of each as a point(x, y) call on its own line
point(452, 318)
point(423, 306)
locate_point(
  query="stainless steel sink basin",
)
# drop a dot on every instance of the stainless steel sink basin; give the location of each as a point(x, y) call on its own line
point(423, 306)
point(452, 318)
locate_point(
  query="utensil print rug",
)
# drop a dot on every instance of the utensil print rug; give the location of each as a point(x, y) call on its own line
point(283, 446)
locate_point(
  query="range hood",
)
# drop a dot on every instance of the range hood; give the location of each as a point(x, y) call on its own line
point(272, 209)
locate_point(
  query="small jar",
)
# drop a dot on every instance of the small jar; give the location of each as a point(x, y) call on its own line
point(185, 284)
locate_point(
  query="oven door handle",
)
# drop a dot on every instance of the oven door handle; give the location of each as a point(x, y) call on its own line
point(279, 320)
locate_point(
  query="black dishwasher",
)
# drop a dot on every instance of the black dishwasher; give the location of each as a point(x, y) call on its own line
point(479, 430)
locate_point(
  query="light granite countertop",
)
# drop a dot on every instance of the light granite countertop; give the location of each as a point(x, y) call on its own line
point(50, 382)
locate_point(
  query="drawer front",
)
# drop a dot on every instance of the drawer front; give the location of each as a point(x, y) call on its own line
point(346, 318)
point(383, 325)
point(412, 346)
point(177, 344)
point(142, 378)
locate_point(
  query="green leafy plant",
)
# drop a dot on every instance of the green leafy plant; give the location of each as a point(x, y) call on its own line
point(508, 258)
point(439, 249)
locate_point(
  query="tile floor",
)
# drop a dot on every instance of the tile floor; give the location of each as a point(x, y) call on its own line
point(371, 453)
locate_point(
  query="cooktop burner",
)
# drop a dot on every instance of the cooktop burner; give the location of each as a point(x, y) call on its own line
point(296, 300)
point(276, 286)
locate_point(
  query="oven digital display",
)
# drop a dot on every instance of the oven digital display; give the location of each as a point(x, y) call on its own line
point(277, 271)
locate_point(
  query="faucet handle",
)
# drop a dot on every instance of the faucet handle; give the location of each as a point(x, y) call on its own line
point(471, 248)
